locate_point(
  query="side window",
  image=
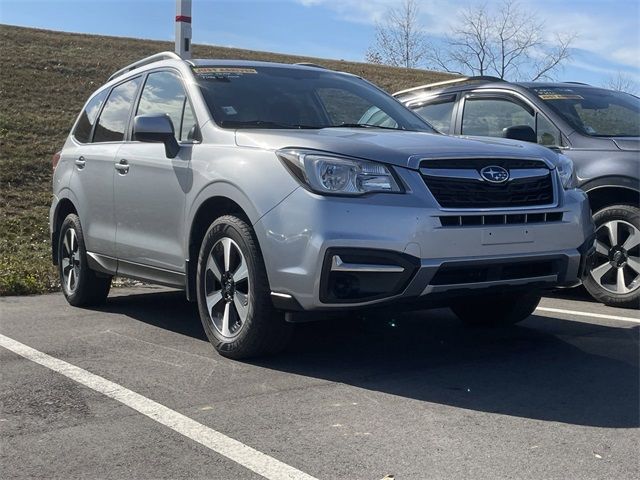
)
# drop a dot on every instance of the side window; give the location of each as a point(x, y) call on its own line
point(115, 114)
point(82, 132)
point(438, 113)
point(548, 134)
point(188, 129)
point(163, 93)
point(489, 116)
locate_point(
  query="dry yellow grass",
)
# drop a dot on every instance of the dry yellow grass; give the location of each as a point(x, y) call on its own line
point(45, 77)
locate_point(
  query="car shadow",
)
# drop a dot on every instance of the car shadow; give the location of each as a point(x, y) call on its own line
point(545, 369)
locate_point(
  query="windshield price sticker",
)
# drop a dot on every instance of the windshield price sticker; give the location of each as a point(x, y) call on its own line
point(223, 71)
point(560, 96)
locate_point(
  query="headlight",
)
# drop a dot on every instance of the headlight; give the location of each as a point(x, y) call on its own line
point(329, 174)
point(565, 169)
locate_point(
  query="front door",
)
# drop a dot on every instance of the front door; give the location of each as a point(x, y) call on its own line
point(150, 189)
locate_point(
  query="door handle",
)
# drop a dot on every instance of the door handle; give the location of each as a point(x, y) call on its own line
point(80, 162)
point(122, 167)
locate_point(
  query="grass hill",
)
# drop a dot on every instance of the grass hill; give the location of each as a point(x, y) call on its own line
point(45, 77)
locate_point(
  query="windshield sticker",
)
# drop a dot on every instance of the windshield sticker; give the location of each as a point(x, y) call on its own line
point(560, 96)
point(229, 110)
point(223, 71)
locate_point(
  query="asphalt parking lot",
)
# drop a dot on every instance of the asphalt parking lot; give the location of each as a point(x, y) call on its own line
point(418, 396)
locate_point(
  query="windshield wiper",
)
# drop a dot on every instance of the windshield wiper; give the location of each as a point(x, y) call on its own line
point(262, 124)
point(361, 125)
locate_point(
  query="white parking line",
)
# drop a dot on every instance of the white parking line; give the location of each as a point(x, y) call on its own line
point(587, 314)
point(258, 462)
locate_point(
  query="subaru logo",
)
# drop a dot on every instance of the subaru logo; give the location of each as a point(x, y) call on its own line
point(495, 174)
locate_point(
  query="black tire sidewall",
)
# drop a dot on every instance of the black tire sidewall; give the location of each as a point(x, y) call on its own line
point(86, 288)
point(259, 308)
point(630, 214)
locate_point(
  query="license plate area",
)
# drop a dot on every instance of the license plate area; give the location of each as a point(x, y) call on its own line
point(508, 235)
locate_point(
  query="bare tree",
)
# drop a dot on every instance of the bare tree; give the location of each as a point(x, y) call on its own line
point(622, 82)
point(399, 39)
point(510, 43)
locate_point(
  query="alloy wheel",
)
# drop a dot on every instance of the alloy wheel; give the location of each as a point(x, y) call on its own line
point(617, 261)
point(227, 287)
point(70, 261)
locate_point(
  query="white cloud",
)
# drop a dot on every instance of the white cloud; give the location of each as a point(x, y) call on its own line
point(607, 28)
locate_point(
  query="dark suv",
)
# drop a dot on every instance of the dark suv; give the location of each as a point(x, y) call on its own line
point(598, 129)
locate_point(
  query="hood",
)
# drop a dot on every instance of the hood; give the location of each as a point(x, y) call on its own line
point(400, 148)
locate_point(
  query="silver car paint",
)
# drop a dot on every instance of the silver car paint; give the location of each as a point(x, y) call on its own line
point(154, 205)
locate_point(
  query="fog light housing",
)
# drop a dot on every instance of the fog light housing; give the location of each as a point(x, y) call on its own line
point(363, 275)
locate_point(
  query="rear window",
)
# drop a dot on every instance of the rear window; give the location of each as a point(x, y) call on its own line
point(82, 132)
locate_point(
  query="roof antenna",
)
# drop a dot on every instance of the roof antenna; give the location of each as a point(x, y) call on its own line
point(183, 28)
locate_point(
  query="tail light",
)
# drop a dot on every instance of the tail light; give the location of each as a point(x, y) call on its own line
point(55, 159)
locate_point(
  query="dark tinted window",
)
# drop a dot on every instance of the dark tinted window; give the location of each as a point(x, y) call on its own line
point(438, 113)
point(82, 132)
point(163, 93)
point(115, 114)
point(343, 106)
point(490, 116)
point(278, 97)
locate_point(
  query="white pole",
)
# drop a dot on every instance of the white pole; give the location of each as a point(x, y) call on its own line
point(183, 28)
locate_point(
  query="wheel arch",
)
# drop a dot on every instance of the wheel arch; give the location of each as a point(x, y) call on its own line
point(64, 207)
point(612, 191)
point(207, 210)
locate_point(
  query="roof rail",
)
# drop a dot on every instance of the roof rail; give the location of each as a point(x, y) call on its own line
point(430, 86)
point(579, 83)
point(146, 61)
point(309, 64)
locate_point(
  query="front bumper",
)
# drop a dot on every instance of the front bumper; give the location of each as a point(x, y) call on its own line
point(306, 234)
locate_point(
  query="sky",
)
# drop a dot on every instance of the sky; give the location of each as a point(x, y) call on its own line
point(607, 42)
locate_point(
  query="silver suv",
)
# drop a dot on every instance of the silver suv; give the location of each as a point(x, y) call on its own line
point(259, 189)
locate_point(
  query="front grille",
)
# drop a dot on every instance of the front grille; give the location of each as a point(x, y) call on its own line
point(479, 163)
point(508, 219)
point(452, 190)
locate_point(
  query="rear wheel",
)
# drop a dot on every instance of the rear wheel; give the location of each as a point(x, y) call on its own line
point(233, 293)
point(81, 286)
point(615, 276)
point(496, 310)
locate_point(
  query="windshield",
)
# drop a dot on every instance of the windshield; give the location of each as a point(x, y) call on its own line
point(280, 97)
point(593, 111)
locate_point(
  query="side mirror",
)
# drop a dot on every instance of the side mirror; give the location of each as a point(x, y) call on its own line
point(158, 129)
point(520, 132)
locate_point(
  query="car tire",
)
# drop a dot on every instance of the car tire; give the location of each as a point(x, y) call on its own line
point(614, 278)
point(234, 298)
point(496, 310)
point(81, 286)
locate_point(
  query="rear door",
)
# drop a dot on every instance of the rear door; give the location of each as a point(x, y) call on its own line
point(150, 189)
point(97, 143)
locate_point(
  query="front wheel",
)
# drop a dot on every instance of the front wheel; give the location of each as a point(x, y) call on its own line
point(234, 298)
point(81, 286)
point(496, 310)
point(615, 276)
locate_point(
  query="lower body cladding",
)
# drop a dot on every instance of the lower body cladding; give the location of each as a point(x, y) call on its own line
point(326, 253)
